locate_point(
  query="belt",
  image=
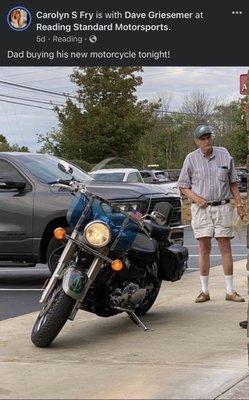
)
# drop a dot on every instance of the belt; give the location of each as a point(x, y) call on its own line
point(218, 203)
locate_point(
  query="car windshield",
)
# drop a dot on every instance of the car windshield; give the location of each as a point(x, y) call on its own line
point(109, 177)
point(45, 169)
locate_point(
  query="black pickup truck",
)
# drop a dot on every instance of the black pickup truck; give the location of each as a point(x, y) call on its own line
point(31, 208)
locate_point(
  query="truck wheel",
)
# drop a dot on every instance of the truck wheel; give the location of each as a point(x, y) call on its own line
point(52, 318)
point(55, 249)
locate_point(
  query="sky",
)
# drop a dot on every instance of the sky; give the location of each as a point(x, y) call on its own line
point(21, 124)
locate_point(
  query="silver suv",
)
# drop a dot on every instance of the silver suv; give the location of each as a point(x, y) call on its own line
point(31, 208)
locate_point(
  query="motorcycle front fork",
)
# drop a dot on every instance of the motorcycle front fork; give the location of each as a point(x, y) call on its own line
point(91, 274)
point(58, 273)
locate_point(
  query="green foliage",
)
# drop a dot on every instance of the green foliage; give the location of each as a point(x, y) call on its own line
point(168, 143)
point(230, 124)
point(6, 146)
point(106, 120)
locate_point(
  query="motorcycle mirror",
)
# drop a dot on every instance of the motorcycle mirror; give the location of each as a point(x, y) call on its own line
point(65, 167)
point(158, 217)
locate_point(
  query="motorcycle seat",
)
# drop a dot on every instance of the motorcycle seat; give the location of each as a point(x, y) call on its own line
point(143, 244)
point(158, 232)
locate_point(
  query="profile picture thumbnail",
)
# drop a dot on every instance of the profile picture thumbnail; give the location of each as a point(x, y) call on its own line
point(19, 18)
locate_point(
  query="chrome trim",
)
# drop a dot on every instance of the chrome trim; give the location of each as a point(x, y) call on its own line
point(64, 258)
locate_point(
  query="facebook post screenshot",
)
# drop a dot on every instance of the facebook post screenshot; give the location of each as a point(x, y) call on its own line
point(124, 226)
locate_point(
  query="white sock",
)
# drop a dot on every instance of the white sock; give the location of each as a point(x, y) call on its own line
point(204, 283)
point(229, 283)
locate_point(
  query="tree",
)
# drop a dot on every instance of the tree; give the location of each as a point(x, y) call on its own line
point(236, 139)
point(106, 120)
point(224, 119)
point(198, 106)
point(6, 146)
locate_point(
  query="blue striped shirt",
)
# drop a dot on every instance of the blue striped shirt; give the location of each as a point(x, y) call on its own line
point(210, 177)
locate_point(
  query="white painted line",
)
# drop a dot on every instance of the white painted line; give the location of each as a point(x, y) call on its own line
point(15, 269)
point(219, 255)
point(214, 245)
point(19, 290)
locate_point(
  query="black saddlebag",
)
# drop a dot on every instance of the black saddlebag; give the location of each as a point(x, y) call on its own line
point(172, 262)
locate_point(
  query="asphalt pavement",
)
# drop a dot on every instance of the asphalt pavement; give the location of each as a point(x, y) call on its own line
point(21, 288)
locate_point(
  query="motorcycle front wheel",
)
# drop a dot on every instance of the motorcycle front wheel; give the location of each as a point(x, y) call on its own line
point(52, 318)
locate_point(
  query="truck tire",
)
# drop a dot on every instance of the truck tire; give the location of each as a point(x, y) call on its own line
point(52, 318)
point(55, 249)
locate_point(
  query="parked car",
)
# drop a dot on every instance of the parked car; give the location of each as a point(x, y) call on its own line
point(242, 178)
point(151, 176)
point(130, 175)
point(31, 208)
point(173, 174)
point(242, 169)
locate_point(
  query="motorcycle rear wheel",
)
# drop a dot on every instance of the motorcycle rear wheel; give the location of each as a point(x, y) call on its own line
point(148, 301)
point(52, 318)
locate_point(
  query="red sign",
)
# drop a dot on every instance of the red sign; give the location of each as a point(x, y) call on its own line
point(244, 87)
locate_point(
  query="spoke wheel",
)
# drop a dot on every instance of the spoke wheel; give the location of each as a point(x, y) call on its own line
point(149, 298)
point(52, 318)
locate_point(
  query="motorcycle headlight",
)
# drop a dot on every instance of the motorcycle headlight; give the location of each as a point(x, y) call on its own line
point(97, 234)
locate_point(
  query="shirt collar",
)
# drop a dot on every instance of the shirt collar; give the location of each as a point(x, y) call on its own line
point(203, 155)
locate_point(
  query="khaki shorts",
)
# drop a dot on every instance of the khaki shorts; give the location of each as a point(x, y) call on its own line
point(212, 221)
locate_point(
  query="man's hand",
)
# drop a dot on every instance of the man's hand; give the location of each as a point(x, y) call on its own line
point(200, 202)
point(241, 211)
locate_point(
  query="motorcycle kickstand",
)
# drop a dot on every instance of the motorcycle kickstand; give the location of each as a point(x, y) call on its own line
point(138, 321)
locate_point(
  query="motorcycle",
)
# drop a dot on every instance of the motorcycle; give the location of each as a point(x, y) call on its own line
point(114, 261)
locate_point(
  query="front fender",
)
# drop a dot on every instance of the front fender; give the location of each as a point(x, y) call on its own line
point(74, 282)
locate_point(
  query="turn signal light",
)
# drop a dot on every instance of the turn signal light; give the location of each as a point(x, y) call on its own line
point(117, 265)
point(59, 233)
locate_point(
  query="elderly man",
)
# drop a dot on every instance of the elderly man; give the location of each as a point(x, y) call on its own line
point(208, 178)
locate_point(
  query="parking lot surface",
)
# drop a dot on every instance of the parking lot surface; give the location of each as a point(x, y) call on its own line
point(195, 351)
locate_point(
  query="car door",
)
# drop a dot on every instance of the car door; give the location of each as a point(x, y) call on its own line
point(16, 214)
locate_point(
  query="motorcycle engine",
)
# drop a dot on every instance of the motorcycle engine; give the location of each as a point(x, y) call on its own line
point(128, 298)
point(113, 292)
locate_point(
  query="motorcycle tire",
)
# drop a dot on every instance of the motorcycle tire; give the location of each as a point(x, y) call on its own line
point(50, 322)
point(55, 249)
point(148, 301)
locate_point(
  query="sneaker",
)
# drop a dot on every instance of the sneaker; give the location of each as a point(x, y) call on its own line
point(202, 297)
point(243, 324)
point(235, 297)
